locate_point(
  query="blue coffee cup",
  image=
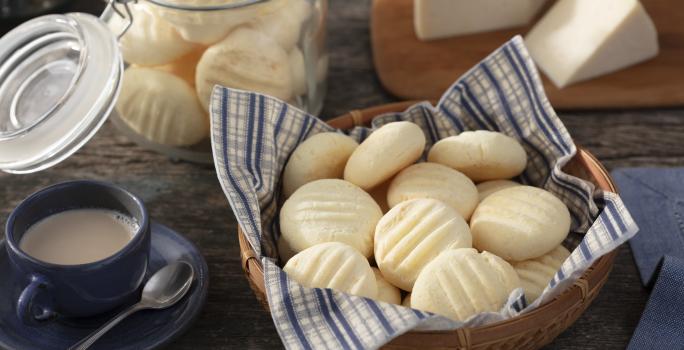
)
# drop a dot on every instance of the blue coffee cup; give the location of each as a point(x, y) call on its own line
point(84, 290)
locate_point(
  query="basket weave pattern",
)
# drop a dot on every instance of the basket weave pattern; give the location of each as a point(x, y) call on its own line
point(529, 331)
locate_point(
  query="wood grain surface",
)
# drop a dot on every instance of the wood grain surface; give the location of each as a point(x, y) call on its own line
point(427, 68)
point(189, 199)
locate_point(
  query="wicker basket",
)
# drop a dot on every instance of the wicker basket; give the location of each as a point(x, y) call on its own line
point(529, 331)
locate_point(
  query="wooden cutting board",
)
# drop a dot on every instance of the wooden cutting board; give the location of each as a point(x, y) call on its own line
point(413, 69)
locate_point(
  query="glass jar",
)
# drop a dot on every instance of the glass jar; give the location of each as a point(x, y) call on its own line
point(62, 76)
point(176, 51)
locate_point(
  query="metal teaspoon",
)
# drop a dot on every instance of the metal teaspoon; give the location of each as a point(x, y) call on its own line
point(165, 288)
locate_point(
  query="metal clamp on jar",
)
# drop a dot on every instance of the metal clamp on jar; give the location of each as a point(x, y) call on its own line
point(61, 76)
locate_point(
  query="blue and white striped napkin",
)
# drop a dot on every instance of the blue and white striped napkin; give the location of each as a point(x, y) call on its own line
point(253, 135)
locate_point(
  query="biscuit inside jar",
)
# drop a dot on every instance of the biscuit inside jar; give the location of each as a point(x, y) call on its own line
point(162, 107)
point(260, 48)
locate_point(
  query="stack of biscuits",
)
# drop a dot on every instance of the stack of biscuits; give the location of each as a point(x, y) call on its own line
point(453, 235)
point(176, 57)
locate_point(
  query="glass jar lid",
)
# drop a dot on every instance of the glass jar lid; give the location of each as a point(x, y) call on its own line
point(60, 76)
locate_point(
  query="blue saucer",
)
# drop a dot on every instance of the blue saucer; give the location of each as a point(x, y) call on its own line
point(143, 330)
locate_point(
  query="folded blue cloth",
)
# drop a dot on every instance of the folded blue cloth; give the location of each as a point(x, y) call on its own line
point(662, 324)
point(655, 198)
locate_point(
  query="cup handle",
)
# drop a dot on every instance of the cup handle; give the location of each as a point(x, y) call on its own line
point(25, 305)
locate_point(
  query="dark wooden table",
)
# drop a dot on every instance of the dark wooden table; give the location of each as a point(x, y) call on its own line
point(189, 199)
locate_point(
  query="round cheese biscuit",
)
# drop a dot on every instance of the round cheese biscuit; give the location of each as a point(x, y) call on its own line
point(386, 291)
point(285, 25)
point(246, 59)
point(162, 107)
point(209, 27)
point(384, 153)
point(150, 40)
point(481, 155)
point(321, 156)
point(520, 223)
point(413, 233)
point(486, 188)
point(329, 210)
point(432, 180)
point(535, 274)
point(460, 283)
point(333, 265)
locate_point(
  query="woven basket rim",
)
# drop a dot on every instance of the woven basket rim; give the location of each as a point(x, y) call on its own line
point(580, 293)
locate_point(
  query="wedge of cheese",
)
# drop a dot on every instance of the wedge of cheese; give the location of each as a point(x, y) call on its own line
point(581, 39)
point(434, 19)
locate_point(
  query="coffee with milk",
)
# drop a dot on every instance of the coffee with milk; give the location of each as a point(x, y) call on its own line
point(78, 236)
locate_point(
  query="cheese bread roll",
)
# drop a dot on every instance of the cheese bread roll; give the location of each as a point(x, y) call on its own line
point(162, 107)
point(386, 291)
point(208, 27)
point(333, 265)
point(321, 156)
point(150, 40)
point(285, 25)
point(247, 60)
point(432, 180)
point(329, 210)
point(413, 233)
point(520, 223)
point(460, 283)
point(535, 274)
point(481, 155)
point(384, 153)
point(486, 188)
